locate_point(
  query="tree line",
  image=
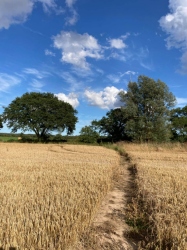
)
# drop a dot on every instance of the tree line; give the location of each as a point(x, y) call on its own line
point(147, 114)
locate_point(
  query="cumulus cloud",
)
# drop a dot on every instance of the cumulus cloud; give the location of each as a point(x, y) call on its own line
point(175, 25)
point(76, 48)
point(17, 11)
point(14, 12)
point(8, 81)
point(71, 98)
point(117, 43)
point(108, 98)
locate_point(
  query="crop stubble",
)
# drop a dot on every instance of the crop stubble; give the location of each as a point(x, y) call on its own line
point(49, 194)
point(162, 188)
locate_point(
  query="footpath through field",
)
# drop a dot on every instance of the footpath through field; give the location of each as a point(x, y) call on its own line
point(109, 230)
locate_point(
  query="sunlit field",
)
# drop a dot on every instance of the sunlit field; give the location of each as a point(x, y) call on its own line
point(162, 190)
point(49, 194)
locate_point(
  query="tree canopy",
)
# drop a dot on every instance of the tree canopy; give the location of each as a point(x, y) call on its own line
point(147, 104)
point(179, 123)
point(113, 124)
point(1, 122)
point(88, 135)
point(40, 113)
point(144, 114)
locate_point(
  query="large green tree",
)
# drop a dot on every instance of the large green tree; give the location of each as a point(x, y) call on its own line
point(179, 124)
point(40, 113)
point(147, 105)
point(113, 124)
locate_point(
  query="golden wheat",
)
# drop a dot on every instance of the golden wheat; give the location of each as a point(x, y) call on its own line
point(162, 186)
point(50, 193)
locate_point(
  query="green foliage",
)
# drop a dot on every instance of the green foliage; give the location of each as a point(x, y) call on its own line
point(147, 106)
point(88, 135)
point(40, 113)
point(179, 124)
point(1, 122)
point(113, 125)
point(8, 139)
point(58, 138)
point(144, 115)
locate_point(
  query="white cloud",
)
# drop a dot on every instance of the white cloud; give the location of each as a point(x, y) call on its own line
point(129, 72)
point(117, 48)
point(181, 101)
point(49, 53)
point(106, 99)
point(118, 56)
point(48, 4)
point(36, 85)
point(120, 76)
point(147, 65)
point(76, 48)
point(70, 3)
point(75, 84)
point(184, 62)
point(36, 73)
point(71, 98)
point(117, 43)
point(175, 25)
point(17, 11)
point(14, 12)
point(8, 81)
point(71, 20)
point(142, 56)
point(124, 37)
point(114, 78)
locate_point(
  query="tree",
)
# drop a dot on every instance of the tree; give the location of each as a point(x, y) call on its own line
point(40, 113)
point(147, 104)
point(1, 122)
point(88, 135)
point(179, 123)
point(113, 124)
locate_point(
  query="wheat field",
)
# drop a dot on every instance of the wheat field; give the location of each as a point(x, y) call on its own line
point(161, 193)
point(49, 193)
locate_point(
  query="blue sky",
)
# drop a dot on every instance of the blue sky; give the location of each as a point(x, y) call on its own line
point(86, 51)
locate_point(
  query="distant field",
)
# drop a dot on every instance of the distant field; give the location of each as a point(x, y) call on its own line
point(49, 193)
point(161, 199)
point(10, 137)
point(7, 138)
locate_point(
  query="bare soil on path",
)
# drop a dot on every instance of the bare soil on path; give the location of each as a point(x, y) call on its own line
point(109, 229)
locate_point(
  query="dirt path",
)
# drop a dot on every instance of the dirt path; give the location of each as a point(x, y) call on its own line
point(109, 228)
